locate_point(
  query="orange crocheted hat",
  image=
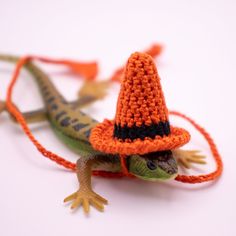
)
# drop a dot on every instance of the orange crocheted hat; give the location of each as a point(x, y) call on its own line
point(141, 123)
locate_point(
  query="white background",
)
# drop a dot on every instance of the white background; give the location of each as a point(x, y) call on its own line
point(198, 77)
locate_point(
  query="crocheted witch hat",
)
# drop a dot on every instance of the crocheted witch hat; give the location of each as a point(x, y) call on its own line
point(141, 123)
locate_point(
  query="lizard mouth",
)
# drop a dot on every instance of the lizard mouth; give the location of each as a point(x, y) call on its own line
point(159, 179)
point(154, 166)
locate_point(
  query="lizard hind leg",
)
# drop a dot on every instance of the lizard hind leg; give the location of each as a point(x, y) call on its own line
point(94, 90)
point(90, 92)
point(2, 106)
point(31, 117)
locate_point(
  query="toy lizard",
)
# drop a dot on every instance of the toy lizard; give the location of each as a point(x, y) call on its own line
point(156, 154)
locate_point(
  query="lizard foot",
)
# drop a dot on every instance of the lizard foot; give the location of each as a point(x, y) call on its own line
point(86, 198)
point(96, 89)
point(188, 157)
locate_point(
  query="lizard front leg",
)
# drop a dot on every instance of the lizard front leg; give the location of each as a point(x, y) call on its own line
point(85, 196)
point(187, 157)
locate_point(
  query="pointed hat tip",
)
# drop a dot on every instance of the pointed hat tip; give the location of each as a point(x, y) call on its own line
point(140, 63)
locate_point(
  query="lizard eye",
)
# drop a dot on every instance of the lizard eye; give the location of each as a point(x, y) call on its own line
point(151, 165)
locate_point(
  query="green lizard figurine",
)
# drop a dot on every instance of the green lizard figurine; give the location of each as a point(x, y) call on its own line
point(73, 127)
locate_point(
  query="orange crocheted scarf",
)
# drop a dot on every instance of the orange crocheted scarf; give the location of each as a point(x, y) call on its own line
point(89, 71)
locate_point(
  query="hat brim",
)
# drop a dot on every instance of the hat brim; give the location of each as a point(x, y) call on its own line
point(102, 139)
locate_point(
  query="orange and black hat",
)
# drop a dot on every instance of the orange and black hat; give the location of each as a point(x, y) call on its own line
point(141, 123)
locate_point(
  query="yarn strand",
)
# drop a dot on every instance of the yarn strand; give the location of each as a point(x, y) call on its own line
point(219, 164)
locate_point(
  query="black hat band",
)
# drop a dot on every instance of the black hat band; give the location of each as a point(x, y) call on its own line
point(162, 128)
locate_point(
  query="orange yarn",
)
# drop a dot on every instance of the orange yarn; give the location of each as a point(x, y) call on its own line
point(141, 121)
point(84, 69)
point(124, 168)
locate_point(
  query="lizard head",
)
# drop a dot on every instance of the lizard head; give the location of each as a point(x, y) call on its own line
point(153, 166)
